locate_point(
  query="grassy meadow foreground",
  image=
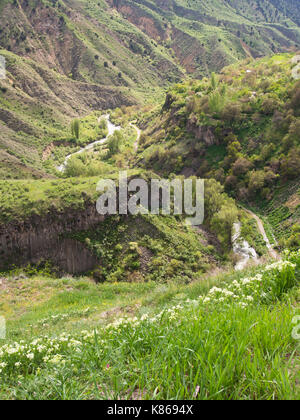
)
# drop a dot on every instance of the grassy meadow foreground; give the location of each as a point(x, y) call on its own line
point(230, 336)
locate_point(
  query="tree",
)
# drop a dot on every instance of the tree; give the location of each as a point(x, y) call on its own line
point(214, 197)
point(213, 81)
point(241, 166)
point(231, 112)
point(292, 138)
point(295, 101)
point(216, 102)
point(220, 211)
point(233, 152)
point(257, 181)
point(114, 143)
point(290, 165)
point(75, 128)
point(75, 167)
point(222, 222)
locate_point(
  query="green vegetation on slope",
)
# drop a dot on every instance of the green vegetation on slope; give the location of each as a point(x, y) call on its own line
point(240, 127)
point(207, 36)
point(86, 41)
point(37, 106)
point(149, 248)
point(20, 199)
point(146, 247)
point(68, 58)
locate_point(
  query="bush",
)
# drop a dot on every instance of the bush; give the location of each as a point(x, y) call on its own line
point(75, 128)
point(241, 166)
point(115, 142)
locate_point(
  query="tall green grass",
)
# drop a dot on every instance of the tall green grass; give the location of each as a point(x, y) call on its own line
point(184, 348)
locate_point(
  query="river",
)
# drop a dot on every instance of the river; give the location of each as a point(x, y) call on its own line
point(242, 248)
point(111, 129)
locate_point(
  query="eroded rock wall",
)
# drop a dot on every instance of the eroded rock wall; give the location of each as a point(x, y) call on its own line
point(44, 238)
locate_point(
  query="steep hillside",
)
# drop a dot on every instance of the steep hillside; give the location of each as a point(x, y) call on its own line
point(241, 128)
point(77, 37)
point(86, 41)
point(36, 107)
point(142, 303)
point(65, 60)
point(289, 8)
point(38, 216)
point(207, 36)
point(68, 58)
point(212, 339)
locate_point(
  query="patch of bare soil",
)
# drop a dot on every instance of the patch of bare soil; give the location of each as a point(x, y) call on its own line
point(137, 394)
point(293, 202)
point(47, 152)
point(145, 257)
point(118, 312)
point(3, 283)
point(208, 238)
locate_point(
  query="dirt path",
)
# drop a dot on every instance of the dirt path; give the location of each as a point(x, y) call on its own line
point(47, 152)
point(139, 132)
point(261, 228)
point(246, 49)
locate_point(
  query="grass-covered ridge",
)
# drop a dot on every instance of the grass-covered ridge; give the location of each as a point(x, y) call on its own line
point(130, 248)
point(205, 37)
point(150, 248)
point(20, 199)
point(225, 345)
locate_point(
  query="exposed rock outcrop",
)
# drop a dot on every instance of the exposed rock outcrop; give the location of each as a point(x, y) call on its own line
point(202, 133)
point(44, 238)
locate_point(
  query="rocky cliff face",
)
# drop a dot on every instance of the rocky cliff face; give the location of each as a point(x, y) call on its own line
point(202, 133)
point(44, 238)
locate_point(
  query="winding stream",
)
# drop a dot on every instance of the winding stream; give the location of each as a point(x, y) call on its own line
point(242, 248)
point(111, 129)
point(261, 228)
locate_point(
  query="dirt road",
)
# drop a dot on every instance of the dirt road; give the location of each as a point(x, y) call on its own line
point(139, 132)
point(261, 228)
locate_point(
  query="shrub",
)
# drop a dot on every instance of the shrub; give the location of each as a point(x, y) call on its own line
point(75, 128)
point(290, 165)
point(257, 181)
point(241, 166)
point(231, 113)
point(115, 142)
